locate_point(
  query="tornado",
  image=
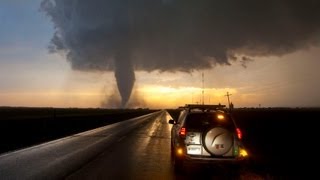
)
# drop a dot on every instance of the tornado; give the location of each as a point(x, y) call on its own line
point(125, 77)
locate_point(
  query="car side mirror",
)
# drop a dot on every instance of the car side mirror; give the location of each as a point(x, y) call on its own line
point(171, 121)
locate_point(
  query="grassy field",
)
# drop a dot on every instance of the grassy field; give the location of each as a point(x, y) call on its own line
point(280, 141)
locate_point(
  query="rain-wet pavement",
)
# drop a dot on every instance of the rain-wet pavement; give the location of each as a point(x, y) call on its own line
point(145, 154)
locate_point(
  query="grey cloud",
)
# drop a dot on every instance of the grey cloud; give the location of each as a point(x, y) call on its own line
point(176, 35)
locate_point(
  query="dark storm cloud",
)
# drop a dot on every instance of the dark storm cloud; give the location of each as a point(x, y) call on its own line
point(177, 35)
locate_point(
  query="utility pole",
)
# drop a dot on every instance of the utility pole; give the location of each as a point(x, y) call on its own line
point(202, 89)
point(192, 98)
point(228, 95)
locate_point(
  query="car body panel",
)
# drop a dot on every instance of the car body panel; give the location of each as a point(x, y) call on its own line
point(208, 136)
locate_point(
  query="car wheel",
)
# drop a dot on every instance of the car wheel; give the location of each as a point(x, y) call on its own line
point(234, 171)
point(178, 164)
point(172, 153)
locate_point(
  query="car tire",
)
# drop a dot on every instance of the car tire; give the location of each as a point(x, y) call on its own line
point(178, 165)
point(234, 171)
point(217, 134)
point(172, 153)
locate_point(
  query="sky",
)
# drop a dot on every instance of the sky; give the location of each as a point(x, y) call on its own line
point(36, 71)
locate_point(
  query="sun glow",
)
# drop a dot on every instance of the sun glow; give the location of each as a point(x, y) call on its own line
point(172, 97)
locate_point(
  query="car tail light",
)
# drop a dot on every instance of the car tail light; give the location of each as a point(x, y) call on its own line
point(183, 132)
point(239, 133)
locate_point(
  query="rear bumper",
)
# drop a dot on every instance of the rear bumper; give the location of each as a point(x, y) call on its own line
point(213, 160)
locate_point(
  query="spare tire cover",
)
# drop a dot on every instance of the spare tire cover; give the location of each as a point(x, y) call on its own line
point(218, 141)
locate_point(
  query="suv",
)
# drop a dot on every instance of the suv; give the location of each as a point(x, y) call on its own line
point(205, 134)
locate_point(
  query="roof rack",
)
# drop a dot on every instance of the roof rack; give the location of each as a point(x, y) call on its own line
point(204, 107)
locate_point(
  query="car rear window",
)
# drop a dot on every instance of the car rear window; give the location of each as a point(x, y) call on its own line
point(202, 121)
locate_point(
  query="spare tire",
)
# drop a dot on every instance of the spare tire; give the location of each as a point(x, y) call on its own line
point(218, 141)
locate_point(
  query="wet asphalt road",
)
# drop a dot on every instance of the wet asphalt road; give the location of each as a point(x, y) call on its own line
point(141, 154)
point(145, 154)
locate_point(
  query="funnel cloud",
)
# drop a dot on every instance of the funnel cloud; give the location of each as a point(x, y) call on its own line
point(176, 35)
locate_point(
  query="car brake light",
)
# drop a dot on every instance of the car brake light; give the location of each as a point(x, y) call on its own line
point(183, 132)
point(239, 133)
